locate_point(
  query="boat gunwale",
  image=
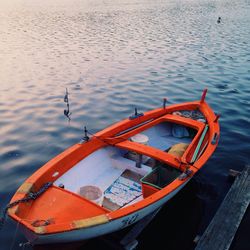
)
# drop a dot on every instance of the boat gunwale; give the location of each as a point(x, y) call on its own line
point(197, 125)
point(114, 129)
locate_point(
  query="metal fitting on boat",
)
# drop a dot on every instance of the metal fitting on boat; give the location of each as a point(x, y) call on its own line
point(135, 115)
point(86, 137)
point(164, 102)
point(185, 174)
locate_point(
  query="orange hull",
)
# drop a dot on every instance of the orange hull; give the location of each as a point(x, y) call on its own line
point(60, 210)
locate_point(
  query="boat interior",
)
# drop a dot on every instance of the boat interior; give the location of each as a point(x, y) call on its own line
point(125, 175)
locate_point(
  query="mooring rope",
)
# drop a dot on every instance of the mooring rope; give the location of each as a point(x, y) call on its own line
point(14, 238)
point(30, 196)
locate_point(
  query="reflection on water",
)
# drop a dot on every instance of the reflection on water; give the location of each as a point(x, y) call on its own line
point(113, 56)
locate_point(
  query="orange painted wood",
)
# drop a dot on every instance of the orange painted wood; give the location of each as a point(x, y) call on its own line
point(64, 207)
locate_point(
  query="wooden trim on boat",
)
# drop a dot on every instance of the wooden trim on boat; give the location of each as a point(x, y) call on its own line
point(40, 230)
point(150, 151)
point(90, 222)
point(26, 188)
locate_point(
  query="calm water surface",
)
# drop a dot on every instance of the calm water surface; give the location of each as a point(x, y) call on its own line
point(113, 56)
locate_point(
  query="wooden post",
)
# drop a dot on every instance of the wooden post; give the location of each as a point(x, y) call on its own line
point(220, 232)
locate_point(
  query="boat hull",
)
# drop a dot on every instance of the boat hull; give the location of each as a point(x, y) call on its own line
point(78, 218)
point(96, 231)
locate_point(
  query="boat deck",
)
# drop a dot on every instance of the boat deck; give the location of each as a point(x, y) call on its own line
point(100, 169)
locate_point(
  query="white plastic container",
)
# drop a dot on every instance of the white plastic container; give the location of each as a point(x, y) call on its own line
point(91, 193)
point(142, 139)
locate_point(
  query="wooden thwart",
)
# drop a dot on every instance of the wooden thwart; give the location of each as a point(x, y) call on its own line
point(221, 231)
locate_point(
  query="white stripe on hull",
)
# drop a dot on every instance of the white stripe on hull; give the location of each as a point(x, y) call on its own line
point(95, 231)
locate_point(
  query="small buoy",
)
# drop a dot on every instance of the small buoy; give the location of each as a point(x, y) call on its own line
point(219, 19)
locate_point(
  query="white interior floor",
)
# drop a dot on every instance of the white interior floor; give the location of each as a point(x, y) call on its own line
point(165, 135)
point(100, 169)
point(106, 165)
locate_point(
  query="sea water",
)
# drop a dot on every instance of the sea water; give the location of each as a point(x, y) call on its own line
point(113, 56)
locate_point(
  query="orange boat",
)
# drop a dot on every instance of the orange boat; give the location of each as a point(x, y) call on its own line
point(117, 176)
